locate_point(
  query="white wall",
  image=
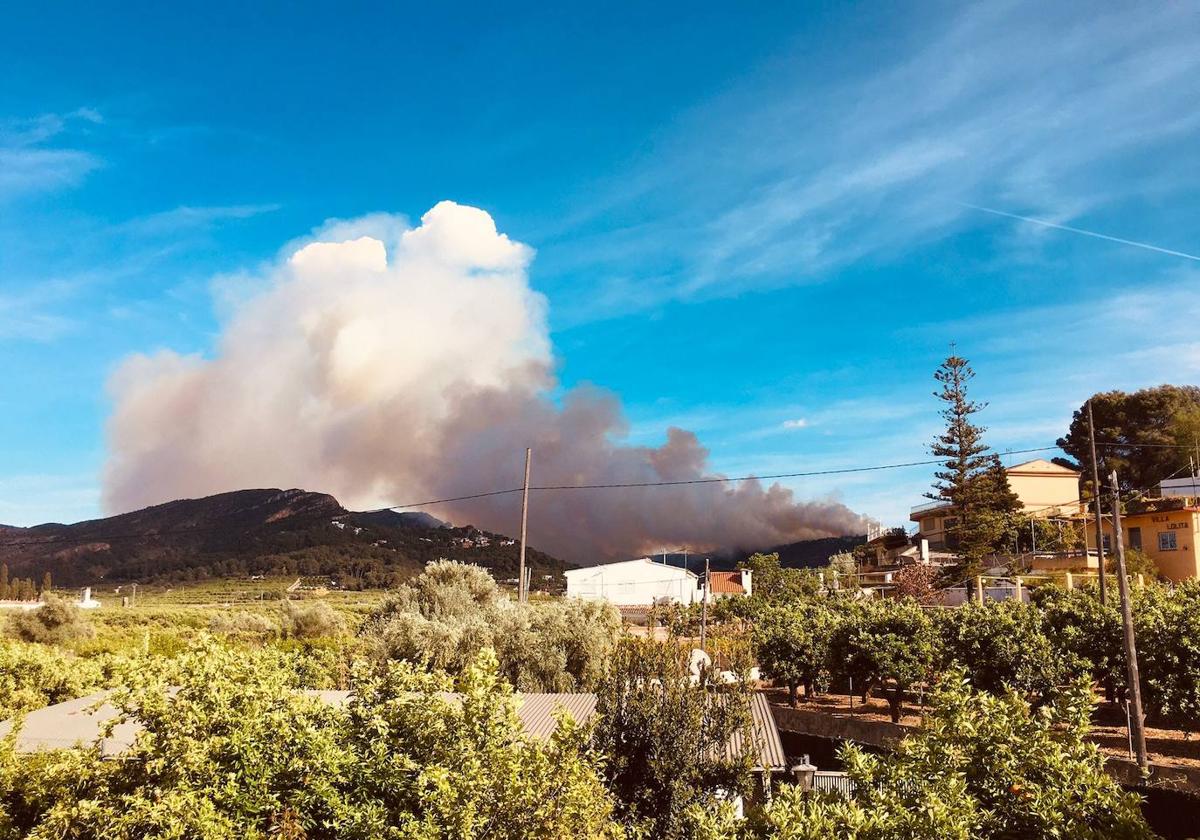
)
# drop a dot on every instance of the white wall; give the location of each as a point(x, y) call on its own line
point(633, 582)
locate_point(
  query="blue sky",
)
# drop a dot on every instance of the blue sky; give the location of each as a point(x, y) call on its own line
point(762, 225)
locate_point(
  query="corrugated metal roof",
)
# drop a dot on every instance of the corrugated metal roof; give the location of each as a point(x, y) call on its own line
point(80, 723)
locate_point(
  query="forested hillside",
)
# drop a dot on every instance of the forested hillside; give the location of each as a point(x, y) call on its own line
point(255, 532)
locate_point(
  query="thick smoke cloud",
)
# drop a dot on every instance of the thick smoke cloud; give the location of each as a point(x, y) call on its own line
point(384, 364)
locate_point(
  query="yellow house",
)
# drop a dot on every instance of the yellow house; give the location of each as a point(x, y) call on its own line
point(1168, 537)
point(1043, 488)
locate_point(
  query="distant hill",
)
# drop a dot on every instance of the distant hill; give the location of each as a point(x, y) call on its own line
point(806, 554)
point(255, 532)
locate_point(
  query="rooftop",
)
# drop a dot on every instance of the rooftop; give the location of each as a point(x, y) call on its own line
point(721, 583)
point(80, 723)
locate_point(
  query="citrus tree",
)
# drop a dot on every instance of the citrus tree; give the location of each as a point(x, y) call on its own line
point(791, 643)
point(1003, 644)
point(884, 644)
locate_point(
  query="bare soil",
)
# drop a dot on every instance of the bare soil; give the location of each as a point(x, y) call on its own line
point(1165, 746)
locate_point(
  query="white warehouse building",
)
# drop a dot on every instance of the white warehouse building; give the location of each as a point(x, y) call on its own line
point(634, 583)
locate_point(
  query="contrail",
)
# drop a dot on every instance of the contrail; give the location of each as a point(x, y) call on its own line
point(1092, 233)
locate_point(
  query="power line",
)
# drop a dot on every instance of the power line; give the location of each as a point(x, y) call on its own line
point(709, 480)
point(94, 536)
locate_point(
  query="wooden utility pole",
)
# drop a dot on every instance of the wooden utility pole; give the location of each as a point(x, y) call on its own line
point(1096, 500)
point(704, 605)
point(1137, 734)
point(522, 590)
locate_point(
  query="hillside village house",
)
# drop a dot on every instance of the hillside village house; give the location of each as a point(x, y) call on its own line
point(1044, 490)
point(642, 582)
point(726, 584)
point(1165, 531)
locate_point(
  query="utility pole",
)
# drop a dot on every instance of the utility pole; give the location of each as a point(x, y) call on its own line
point(704, 606)
point(1137, 733)
point(1096, 500)
point(522, 591)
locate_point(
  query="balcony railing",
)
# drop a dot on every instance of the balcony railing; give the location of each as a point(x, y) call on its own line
point(931, 505)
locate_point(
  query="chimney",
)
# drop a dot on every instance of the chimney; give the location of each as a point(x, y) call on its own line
point(746, 573)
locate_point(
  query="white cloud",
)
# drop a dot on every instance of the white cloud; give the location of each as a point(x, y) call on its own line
point(29, 165)
point(798, 423)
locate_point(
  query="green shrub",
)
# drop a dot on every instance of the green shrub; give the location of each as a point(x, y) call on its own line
point(310, 620)
point(242, 625)
point(33, 676)
point(55, 622)
point(452, 611)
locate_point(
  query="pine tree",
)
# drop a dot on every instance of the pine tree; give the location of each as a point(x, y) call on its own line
point(962, 442)
point(992, 523)
point(972, 481)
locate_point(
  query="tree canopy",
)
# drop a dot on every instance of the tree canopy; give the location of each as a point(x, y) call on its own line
point(1145, 435)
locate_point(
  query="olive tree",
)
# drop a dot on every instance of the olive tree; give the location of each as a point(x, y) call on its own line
point(56, 621)
point(452, 611)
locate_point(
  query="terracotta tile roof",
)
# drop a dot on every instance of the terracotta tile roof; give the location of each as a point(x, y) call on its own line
point(726, 583)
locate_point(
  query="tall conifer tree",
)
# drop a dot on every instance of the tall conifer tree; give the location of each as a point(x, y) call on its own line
point(971, 480)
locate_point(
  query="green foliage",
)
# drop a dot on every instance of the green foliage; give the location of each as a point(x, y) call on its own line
point(310, 620)
point(772, 582)
point(664, 737)
point(983, 767)
point(884, 644)
point(1136, 433)
point(244, 626)
point(430, 769)
point(452, 611)
point(1168, 639)
point(791, 643)
point(32, 676)
point(1004, 645)
point(1082, 628)
point(237, 752)
point(57, 621)
point(843, 568)
point(1024, 772)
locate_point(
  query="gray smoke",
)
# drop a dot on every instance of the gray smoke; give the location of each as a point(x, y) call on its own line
point(385, 364)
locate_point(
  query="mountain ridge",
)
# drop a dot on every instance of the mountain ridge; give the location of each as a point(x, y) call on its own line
point(256, 531)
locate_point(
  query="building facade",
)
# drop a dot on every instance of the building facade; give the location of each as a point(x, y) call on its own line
point(1168, 537)
point(634, 583)
point(1043, 488)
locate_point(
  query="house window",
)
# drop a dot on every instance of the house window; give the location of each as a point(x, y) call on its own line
point(1107, 543)
point(1166, 541)
point(1135, 538)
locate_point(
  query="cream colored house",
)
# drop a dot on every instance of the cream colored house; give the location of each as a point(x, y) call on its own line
point(1167, 536)
point(1043, 488)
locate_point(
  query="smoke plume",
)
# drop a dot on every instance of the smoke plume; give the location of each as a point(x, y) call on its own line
point(385, 364)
